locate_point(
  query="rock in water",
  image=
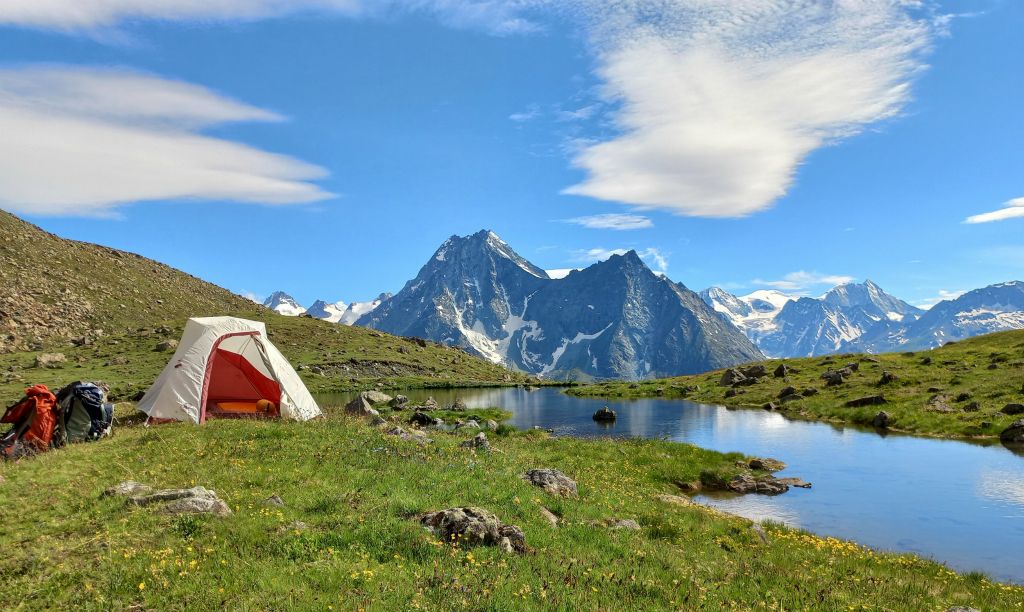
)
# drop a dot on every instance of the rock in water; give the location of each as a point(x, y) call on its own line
point(881, 420)
point(472, 526)
point(551, 480)
point(1014, 433)
point(605, 414)
point(767, 465)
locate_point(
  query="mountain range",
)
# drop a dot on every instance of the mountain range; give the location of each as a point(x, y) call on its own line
point(618, 319)
point(863, 317)
point(336, 312)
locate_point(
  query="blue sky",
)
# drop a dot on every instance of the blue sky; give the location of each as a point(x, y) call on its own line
point(327, 147)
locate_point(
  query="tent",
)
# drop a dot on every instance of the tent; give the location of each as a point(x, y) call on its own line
point(227, 367)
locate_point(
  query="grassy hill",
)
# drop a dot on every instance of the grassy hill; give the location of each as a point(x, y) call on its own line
point(106, 311)
point(347, 535)
point(956, 390)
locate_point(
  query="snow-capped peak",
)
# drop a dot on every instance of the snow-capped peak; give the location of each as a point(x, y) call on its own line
point(284, 304)
point(327, 312)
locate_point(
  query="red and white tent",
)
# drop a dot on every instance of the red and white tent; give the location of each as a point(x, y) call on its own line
point(227, 367)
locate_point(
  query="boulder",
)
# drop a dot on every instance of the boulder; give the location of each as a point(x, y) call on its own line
point(491, 425)
point(1014, 433)
point(1013, 409)
point(398, 402)
point(887, 378)
point(832, 378)
point(730, 377)
point(794, 482)
point(809, 392)
point(939, 403)
point(754, 371)
point(784, 370)
point(50, 360)
point(732, 393)
point(787, 391)
point(430, 404)
point(478, 442)
point(470, 424)
point(972, 407)
point(459, 404)
point(552, 481)
point(881, 420)
point(167, 345)
point(605, 414)
point(378, 420)
point(549, 516)
point(963, 397)
point(868, 400)
point(360, 406)
point(197, 500)
point(616, 523)
point(376, 397)
point(472, 526)
point(852, 366)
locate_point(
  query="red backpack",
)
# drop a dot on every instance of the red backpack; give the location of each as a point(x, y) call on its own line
point(33, 421)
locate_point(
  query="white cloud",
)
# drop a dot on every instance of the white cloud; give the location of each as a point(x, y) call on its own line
point(802, 280)
point(92, 16)
point(720, 101)
point(654, 258)
point(580, 114)
point(613, 221)
point(531, 113)
point(85, 141)
point(942, 296)
point(1013, 208)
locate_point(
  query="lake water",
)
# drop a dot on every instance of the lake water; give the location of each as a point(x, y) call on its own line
point(955, 502)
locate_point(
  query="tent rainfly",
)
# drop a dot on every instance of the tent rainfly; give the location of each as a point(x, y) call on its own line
point(227, 367)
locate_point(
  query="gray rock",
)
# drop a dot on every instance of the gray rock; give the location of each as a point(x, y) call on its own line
point(378, 420)
point(767, 465)
point(809, 392)
point(832, 378)
point(127, 488)
point(491, 425)
point(472, 526)
point(459, 404)
point(549, 516)
point(430, 404)
point(167, 345)
point(605, 414)
point(360, 406)
point(551, 480)
point(424, 420)
point(616, 523)
point(197, 500)
point(376, 397)
point(730, 377)
point(881, 420)
point(274, 500)
point(50, 360)
point(887, 378)
point(787, 391)
point(470, 424)
point(754, 371)
point(784, 370)
point(398, 402)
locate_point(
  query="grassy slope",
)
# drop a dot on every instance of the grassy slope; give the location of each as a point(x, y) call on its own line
point(958, 368)
point(54, 290)
point(356, 489)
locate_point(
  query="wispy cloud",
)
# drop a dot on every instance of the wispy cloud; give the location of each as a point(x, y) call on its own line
point(84, 141)
point(1011, 209)
point(719, 101)
point(96, 16)
point(532, 112)
point(613, 221)
point(654, 257)
point(942, 296)
point(802, 281)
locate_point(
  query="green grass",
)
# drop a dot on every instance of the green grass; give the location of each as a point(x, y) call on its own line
point(990, 368)
point(357, 490)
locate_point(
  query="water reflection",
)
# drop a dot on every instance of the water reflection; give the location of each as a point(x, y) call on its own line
point(956, 502)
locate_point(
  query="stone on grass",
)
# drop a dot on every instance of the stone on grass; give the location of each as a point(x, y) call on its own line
point(617, 523)
point(167, 345)
point(473, 526)
point(376, 397)
point(360, 406)
point(50, 360)
point(551, 480)
point(398, 402)
point(491, 425)
point(549, 516)
point(274, 500)
point(127, 488)
point(478, 442)
point(197, 500)
point(868, 400)
point(1013, 409)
